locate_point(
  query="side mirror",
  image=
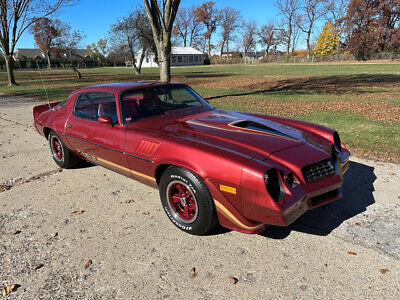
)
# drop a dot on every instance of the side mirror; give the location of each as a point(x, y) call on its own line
point(104, 120)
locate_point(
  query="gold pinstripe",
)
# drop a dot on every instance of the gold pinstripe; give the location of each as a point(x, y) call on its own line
point(223, 210)
point(100, 160)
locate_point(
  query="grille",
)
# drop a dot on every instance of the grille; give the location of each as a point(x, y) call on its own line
point(320, 198)
point(318, 170)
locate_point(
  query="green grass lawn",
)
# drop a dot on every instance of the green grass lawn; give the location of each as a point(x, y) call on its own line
point(361, 101)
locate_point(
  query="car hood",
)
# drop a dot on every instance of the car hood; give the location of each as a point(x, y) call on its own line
point(242, 133)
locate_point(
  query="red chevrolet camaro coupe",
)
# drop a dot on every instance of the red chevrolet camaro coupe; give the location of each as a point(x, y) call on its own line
point(243, 170)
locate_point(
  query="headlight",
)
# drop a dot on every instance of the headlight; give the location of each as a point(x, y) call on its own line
point(291, 180)
point(274, 185)
point(336, 141)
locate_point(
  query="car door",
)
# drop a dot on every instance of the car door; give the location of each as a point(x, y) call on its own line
point(100, 143)
point(143, 122)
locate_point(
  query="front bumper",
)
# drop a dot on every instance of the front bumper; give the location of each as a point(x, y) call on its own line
point(312, 195)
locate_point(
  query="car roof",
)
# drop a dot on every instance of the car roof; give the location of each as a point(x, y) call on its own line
point(118, 87)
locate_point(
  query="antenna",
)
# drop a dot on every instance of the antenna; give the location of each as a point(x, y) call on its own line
point(41, 77)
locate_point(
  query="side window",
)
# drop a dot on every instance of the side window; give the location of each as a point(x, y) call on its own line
point(130, 105)
point(91, 106)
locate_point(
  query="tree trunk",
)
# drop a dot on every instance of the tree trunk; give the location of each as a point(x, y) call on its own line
point(139, 66)
point(227, 49)
point(78, 74)
point(164, 63)
point(48, 60)
point(308, 45)
point(10, 70)
point(209, 46)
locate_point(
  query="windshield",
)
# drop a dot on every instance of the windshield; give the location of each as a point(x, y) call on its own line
point(153, 101)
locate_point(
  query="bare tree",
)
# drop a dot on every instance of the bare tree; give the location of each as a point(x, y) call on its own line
point(312, 11)
point(161, 20)
point(186, 27)
point(17, 16)
point(295, 35)
point(67, 42)
point(134, 34)
point(268, 36)
point(289, 12)
point(230, 19)
point(45, 31)
point(337, 10)
point(208, 14)
point(250, 35)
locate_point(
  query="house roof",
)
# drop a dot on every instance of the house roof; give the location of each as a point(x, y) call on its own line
point(33, 53)
point(185, 50)
point(29, 53)
point(81, 52)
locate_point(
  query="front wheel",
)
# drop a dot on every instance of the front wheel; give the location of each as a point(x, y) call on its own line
point(187, 201)
point(61, 154)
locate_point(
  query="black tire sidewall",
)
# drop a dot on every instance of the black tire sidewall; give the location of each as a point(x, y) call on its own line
point(69, 160)
point(206, 212)
point(61, 162)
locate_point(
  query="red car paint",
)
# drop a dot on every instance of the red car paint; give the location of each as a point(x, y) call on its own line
point(227, 149)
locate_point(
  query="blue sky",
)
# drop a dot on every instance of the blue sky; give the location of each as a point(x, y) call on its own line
point(94, 17)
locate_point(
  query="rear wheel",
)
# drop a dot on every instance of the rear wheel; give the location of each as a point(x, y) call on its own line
point(187, 201)
point(61, 154)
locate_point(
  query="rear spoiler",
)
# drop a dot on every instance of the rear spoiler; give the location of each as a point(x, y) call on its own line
point(39, 109)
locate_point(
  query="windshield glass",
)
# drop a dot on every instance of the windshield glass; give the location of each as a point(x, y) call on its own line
point(153, 101)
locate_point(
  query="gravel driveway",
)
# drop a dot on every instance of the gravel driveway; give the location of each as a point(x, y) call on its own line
point(347, 249)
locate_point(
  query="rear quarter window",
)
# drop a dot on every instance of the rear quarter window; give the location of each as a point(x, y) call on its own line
point(90, 106)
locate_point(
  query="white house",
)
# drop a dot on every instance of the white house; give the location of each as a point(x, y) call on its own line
point(180, 56)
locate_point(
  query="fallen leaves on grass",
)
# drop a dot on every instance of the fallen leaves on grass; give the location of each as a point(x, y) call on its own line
point(15, 232)
point(384, 270)
point(77, 212)
point(352, 253)
point(192, 272)
point(233, 280)
point(37, 266)
point(358, 223)
point(130, 201)
point(88, 264)
point(10, 288)
point(146, 213)
point(54, 234)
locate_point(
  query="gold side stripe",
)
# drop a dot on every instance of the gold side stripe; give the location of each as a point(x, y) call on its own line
point(227, 189)
point(223, 210)
point(126, 169)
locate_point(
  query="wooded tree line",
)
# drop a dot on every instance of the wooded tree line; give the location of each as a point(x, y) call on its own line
point(359, 26)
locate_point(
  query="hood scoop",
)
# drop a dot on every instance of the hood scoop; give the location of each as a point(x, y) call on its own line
point(254, 126)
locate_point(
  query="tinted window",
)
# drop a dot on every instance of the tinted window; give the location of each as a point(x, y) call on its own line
point(142, 103)
point(91, 106)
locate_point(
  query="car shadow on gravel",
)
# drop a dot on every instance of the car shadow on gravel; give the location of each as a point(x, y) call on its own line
point(357, 196)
